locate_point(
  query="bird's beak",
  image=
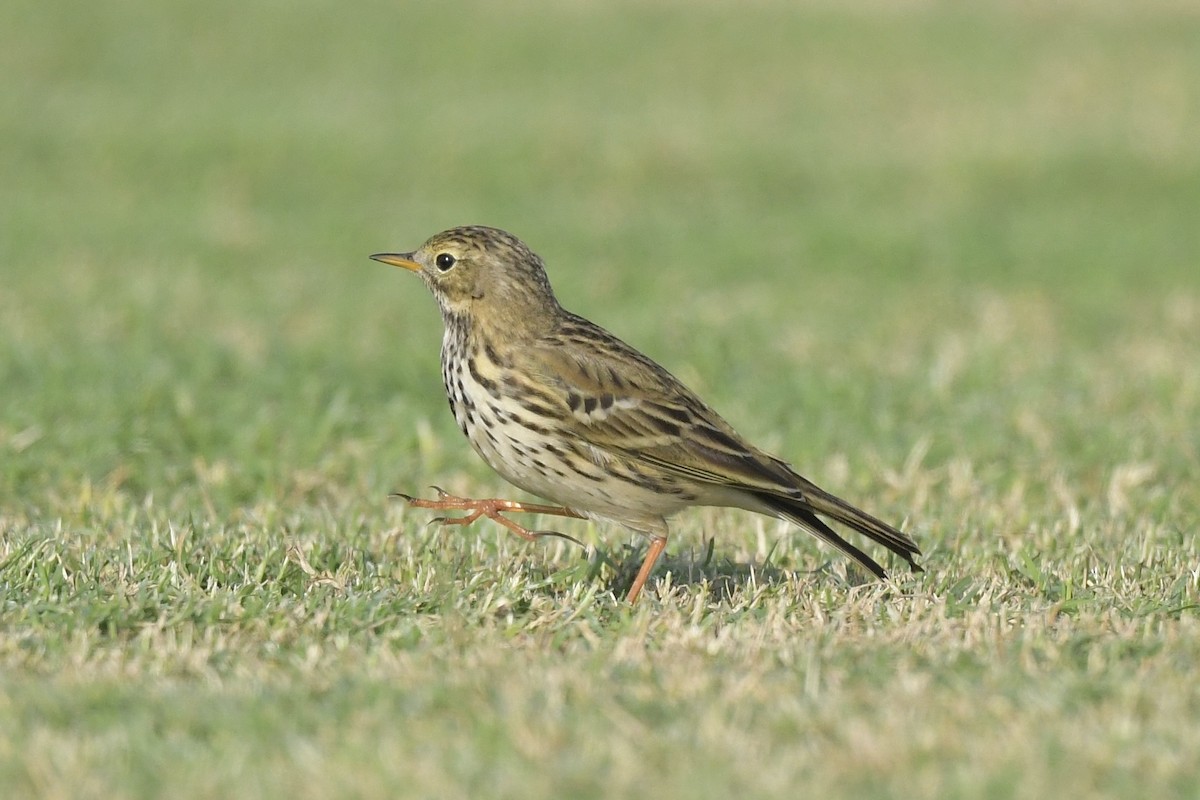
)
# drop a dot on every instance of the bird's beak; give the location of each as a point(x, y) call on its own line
point(398, 260)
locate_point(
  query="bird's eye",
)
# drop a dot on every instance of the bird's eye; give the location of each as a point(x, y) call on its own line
point(444, 261)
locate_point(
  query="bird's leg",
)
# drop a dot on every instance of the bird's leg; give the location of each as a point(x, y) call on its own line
point(492, 508)
point(657, 544)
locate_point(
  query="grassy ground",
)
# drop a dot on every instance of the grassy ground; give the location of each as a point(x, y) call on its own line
point(945, 259)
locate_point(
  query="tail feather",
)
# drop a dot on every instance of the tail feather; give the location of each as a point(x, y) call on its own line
point(809, 520)
point(803, 509)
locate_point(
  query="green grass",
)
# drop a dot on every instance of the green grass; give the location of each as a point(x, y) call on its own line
point(943, 257)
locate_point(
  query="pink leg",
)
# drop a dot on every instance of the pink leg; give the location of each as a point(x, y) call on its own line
point(492, 508)
point(657, 545)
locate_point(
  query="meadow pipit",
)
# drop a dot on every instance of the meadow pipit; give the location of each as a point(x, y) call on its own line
point(565, 410)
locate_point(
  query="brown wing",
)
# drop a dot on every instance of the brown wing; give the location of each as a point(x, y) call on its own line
point(622, 402)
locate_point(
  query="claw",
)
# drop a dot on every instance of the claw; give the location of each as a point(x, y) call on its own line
point(559, 535)
point(467, 520)
point(408, 498)
point(492, 509)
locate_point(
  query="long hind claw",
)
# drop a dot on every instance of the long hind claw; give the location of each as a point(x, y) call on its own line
point(558, 535)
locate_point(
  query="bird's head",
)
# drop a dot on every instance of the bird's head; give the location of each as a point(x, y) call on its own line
point(476, 271)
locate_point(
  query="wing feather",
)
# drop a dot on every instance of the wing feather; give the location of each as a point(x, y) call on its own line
point(621, 403)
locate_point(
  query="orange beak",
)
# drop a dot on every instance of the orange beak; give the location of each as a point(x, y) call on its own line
point(404, 260)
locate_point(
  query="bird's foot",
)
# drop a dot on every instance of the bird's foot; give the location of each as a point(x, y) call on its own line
point(491, 508)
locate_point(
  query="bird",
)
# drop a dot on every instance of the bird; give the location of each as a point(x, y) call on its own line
point(566, 411)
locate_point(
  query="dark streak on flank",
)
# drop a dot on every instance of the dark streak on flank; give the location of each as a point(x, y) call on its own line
point(488, 384)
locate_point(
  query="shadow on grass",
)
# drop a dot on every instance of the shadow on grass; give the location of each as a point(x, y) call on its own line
point(690, 568)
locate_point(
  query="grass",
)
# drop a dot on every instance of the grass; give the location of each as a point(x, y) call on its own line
point(941, 257)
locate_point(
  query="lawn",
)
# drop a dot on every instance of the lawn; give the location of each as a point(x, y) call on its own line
point(942, 257)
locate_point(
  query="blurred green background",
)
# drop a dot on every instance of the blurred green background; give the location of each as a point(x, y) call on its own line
point(943, 257)
point(766, 193)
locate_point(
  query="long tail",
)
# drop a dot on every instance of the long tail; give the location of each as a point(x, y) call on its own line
point(802, 509)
